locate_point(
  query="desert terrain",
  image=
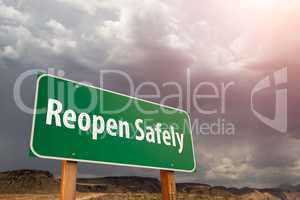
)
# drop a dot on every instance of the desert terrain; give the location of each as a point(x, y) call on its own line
point(42, 185)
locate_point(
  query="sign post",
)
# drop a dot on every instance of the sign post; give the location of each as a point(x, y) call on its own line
point(75, 122)
point(168, 185)
point(68, 180)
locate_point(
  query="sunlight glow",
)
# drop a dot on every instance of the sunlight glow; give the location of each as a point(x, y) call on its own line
point(268, 3)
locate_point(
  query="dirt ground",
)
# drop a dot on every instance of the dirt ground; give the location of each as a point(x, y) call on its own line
point(91, 196)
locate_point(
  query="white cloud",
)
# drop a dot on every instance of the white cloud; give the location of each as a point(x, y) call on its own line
point(22, 40)
point(140, 28)
point(90, 7)
point(60, 45)
point(58, 28)
point(9, 52)
point(25, 44)
point(10, 13)
point(61, 39)
point(226, 168)
point(178, 42)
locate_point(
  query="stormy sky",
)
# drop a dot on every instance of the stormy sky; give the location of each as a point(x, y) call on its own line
point(184, 43)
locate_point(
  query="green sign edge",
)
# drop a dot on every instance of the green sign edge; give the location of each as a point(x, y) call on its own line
point(40, 76)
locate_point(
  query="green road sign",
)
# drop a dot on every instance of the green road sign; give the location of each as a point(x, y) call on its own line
point(74, 121)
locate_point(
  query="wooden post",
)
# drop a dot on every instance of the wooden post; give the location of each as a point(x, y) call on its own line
point(168, 185)
point(68, 180)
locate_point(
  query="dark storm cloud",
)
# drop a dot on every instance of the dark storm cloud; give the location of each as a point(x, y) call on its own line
point(156, 41)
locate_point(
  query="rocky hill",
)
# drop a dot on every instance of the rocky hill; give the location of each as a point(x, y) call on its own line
point(28, 181)
point(40, 182)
